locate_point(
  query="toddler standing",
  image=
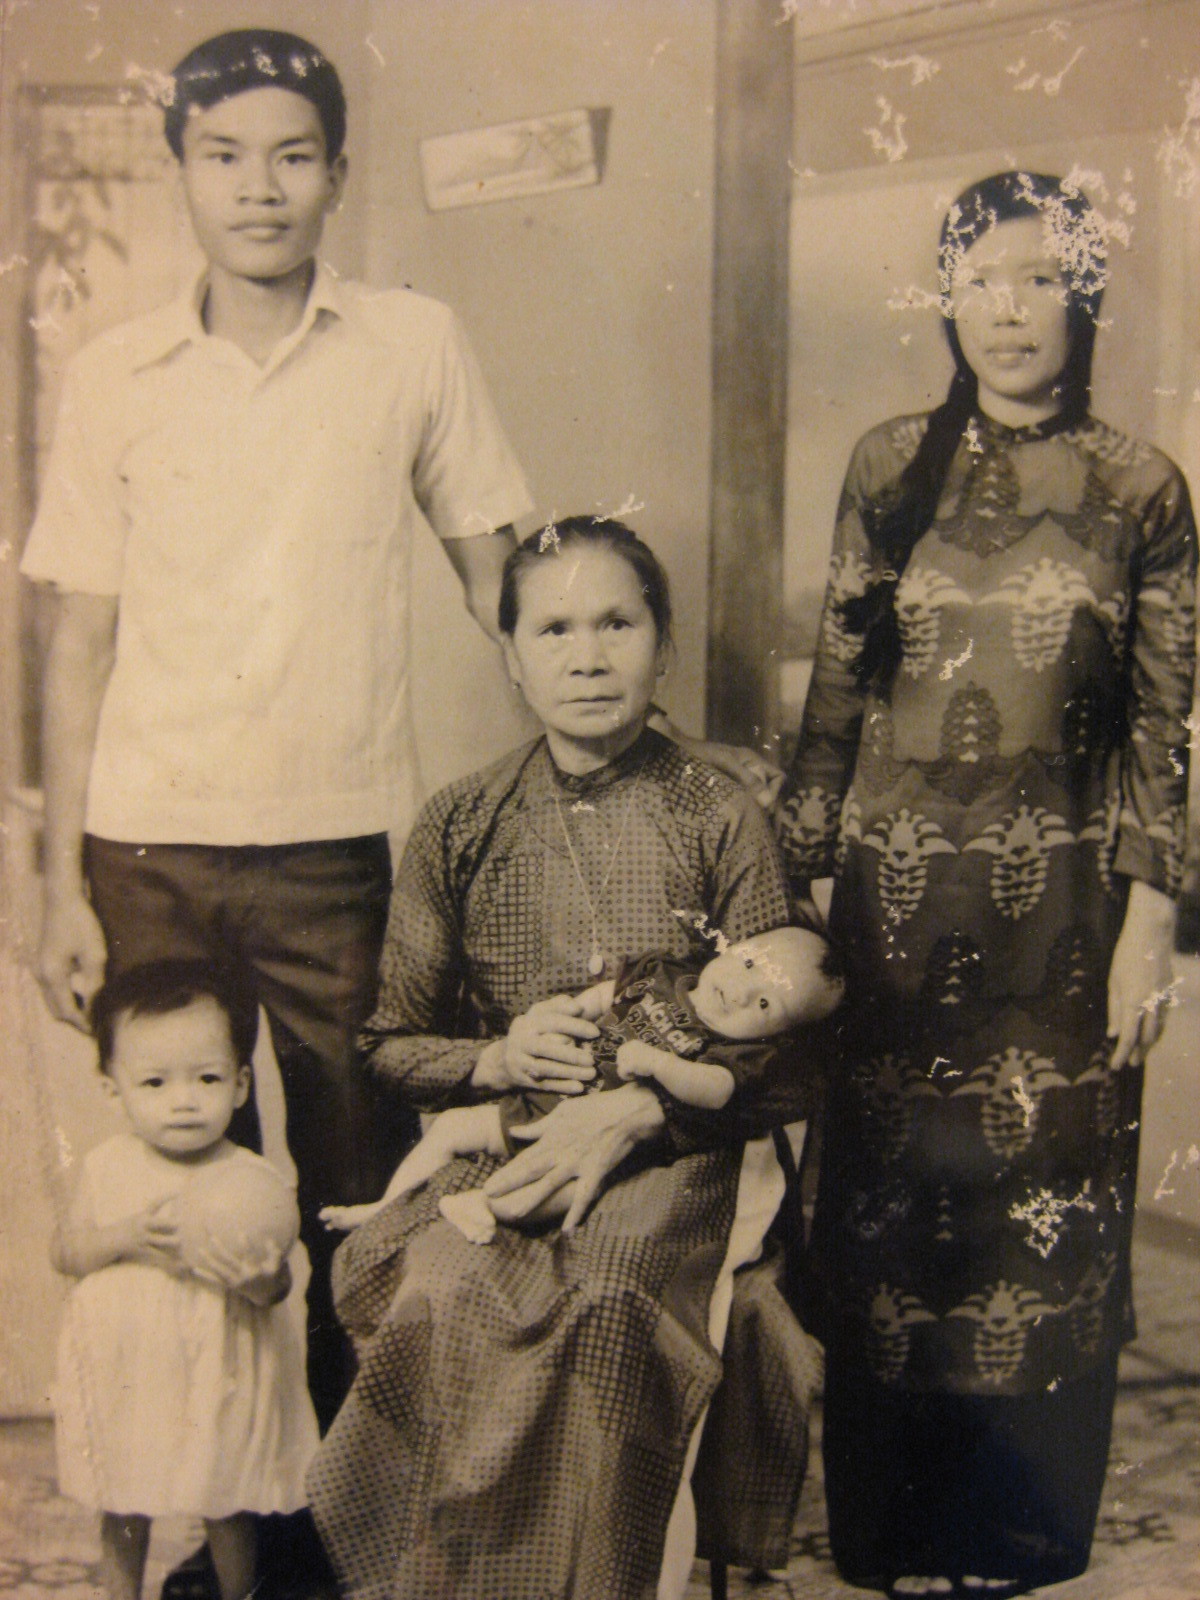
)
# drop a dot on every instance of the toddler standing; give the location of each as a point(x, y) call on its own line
point(180, 1382)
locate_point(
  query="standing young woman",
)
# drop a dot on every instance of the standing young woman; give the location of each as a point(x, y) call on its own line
point(993, 767)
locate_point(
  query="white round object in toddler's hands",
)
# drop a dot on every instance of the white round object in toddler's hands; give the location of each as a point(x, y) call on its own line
point(236, 1211)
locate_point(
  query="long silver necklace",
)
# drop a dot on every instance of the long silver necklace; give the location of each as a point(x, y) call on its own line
point(595, 962)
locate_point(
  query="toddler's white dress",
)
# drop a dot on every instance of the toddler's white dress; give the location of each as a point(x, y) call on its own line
point(174, 1395)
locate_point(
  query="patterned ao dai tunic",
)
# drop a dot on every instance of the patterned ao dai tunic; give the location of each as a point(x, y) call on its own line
point(520, 1417)
point(982, 819)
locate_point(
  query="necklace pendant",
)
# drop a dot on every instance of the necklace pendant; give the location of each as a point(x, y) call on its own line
point(595, 964)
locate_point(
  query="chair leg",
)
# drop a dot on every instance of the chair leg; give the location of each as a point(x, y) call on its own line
point(718, 1580)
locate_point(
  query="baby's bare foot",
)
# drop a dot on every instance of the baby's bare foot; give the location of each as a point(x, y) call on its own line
point(343, 1219)
point(470, 1214)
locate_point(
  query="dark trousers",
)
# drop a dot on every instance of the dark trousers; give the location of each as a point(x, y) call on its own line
point(948, 1484)
point(307, 921)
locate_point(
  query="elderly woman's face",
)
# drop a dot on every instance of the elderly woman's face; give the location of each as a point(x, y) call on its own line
point(585, 653)
point(1009, 301)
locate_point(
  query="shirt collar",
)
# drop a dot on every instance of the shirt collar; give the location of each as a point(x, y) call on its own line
point(180, 321)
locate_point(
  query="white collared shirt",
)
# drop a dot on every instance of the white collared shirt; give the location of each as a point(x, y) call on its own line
point(256, 524)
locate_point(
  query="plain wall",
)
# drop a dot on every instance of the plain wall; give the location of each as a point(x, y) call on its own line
point(589, 308)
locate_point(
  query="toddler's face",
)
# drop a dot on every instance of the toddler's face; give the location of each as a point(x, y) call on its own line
point(765, 985)
point(177, 1077)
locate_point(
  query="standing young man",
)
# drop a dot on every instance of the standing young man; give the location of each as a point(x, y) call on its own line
point(227, 518)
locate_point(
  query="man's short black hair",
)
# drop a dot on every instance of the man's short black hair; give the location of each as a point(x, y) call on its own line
point(156, 988)
point(256, 58)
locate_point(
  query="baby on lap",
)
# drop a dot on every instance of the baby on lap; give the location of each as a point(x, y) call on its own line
point(700, 1033)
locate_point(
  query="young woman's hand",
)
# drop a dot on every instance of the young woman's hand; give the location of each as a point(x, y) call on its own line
point(543, 1050)
point(581, 1141)
point(1141, 982)
point(756, 773)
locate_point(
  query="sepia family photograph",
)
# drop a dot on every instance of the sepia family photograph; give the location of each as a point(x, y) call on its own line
point(599, 860)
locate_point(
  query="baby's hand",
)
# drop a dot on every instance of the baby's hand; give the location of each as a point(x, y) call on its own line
point(154, 1238)
point(636, 1059)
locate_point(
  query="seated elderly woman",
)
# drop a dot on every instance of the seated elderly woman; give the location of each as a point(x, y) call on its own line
point(522, 1416)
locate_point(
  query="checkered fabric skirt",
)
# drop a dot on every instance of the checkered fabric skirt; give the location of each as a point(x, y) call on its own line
point(522, 1410)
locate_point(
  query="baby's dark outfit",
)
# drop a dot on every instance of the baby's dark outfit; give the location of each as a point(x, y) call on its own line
point(652, 1002)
